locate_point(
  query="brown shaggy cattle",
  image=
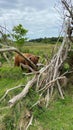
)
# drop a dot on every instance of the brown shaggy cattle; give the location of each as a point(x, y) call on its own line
point(19, 59)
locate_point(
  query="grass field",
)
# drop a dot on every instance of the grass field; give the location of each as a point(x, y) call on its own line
point(58, 115)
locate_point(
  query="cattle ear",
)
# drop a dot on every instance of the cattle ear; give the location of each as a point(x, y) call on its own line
point(38, 57)
point(30, 57)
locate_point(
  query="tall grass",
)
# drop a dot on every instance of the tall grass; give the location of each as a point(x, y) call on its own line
point(59, 114)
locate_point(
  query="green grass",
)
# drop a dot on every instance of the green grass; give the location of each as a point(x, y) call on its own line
point(10, 77)
point(59, 114)
point(40, 49)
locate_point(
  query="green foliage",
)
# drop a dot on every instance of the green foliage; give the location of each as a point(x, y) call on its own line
point(46, 40)
point(13, 73)
point(66, 66)
point(59, 114)
point(19, 33)
point(10, 77)
point(9, 122)
point(5, 39)
point(57, 117)
point(32, 97)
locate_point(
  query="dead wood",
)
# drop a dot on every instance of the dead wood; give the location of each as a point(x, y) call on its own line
point(47, 78)
point(5, 56)
point(30, 122)
point(70, 11)
point(26, 67)
point(68, 8)
point(24, 92)
point(10, 90)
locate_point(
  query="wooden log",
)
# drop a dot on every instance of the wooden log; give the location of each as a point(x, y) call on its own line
point(24, 92)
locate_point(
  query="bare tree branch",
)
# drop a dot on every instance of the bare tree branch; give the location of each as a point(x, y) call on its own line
point(9, 91)
point(24, 92)
point(68, 8)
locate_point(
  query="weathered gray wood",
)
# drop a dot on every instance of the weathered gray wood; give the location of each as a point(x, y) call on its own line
point(23, 93)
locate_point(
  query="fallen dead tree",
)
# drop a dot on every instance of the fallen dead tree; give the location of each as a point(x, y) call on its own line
point(48, 76)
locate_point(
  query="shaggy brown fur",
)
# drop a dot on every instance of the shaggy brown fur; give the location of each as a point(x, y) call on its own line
point(19, 59)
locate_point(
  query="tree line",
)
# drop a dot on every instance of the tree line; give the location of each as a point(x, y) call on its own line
point(51, 40)
point(18, 36)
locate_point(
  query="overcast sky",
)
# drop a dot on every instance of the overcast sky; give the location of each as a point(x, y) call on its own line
point(39, 17)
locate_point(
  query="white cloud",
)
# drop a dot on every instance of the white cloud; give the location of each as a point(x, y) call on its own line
point(39, 21)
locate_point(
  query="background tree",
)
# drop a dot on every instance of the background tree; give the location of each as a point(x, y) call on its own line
point(19, 33)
